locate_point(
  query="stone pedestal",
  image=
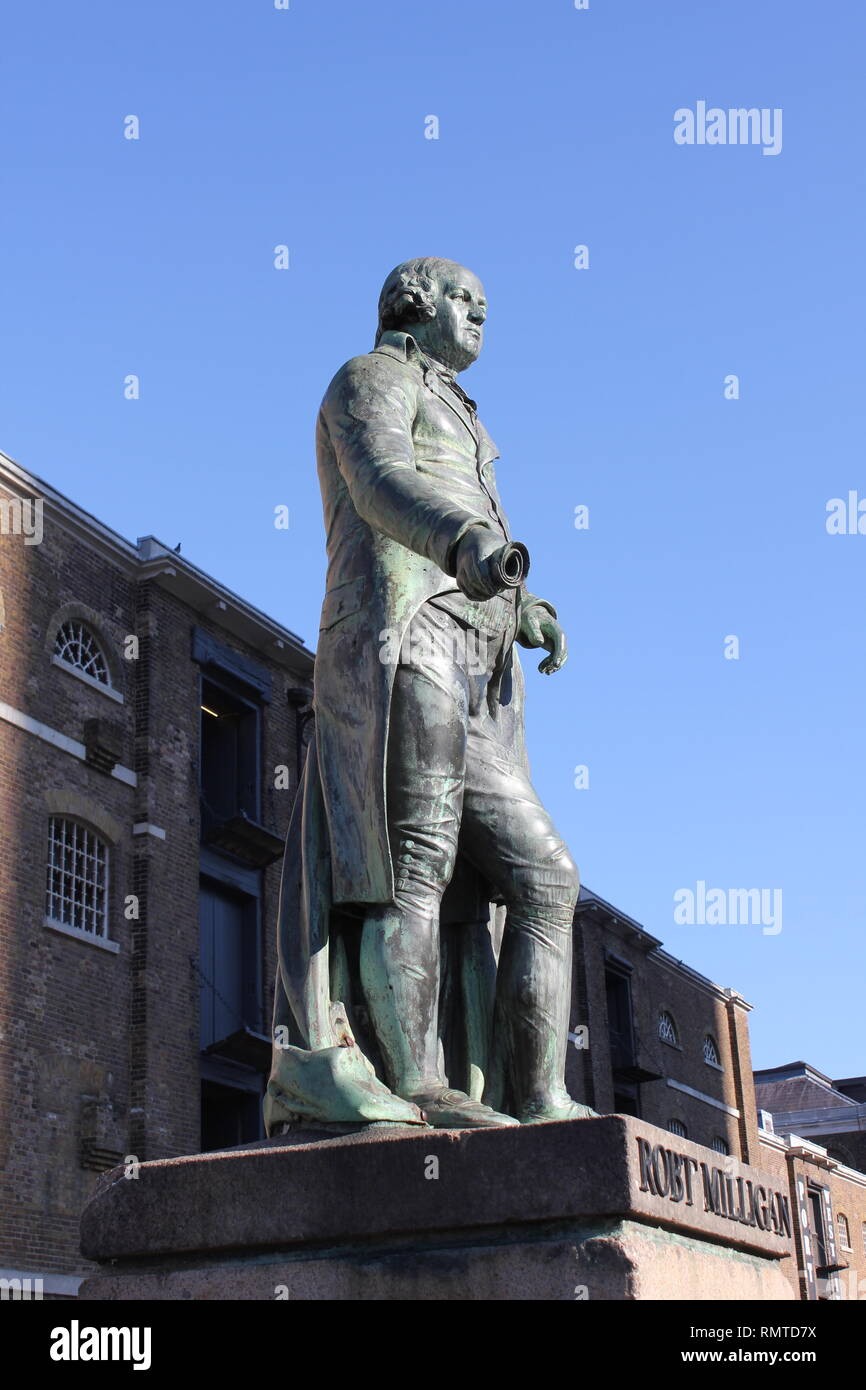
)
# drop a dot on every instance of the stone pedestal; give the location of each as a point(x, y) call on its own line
point(606, 1208)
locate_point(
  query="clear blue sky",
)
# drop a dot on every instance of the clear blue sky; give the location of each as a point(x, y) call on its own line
point(601, 387)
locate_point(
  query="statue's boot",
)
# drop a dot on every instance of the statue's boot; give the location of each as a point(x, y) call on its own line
point(555, 1108)
point(336, 1085)
point(400, 973)
point(445, 1108)
point(533, 1004)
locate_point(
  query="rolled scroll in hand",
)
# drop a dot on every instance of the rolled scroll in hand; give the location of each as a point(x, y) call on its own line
point(509, 566)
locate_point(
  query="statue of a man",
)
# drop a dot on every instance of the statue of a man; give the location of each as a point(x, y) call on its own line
point(418, 764)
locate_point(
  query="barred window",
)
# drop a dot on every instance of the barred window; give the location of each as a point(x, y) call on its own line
point(720, 1145)
point(678, 1128)
point(76, 645)
point(668, 1029)
point(842, 1230)
point(77, 886)
point(711, 1052)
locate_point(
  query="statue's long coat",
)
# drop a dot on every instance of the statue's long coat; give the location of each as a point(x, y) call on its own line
point(390, 435)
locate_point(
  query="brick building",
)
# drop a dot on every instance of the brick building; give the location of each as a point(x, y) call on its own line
point(150, 735)
point(652, 1037)
point(828, 1202)
point(152, 727)
point(819, 1127)
point(665, 1043)
point(831, 1113)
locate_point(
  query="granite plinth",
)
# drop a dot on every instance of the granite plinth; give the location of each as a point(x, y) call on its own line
point(607, 1207)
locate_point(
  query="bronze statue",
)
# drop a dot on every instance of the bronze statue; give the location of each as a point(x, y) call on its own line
point(427, 899)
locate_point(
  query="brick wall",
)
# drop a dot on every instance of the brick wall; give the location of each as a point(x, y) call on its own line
point(64, 1004)
point(97, 1044)
point(697, 1009)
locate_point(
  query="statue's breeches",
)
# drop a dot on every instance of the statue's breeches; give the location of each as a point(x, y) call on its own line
point(450, 776)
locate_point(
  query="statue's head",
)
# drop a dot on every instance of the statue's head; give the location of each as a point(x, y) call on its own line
point(441, 303)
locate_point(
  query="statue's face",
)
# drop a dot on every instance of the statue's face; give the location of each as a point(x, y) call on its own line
point(455, 335)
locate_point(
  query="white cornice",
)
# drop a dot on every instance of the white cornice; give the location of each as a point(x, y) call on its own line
point(15, 479)
point(795, 1146)
point(830, 1119)
point(701, 1095)
point(651, 946)
point(10, 715)
point(213, 601)
point(772, 1141)
point(679, 967)
point(66, 1285)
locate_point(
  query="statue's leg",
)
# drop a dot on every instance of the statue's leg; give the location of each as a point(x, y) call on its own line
point(478, 996)
point(513, 841)
point(400, 979)
point(400, 969)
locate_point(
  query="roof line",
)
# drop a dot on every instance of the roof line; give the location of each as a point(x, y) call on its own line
point(589, 899)
point(794, 1069)
point(149, 556)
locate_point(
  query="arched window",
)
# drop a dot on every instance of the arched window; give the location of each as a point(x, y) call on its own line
point(843, 1231)
point(76, 646)
point(678, 1128)
point(711, 1051)
point(77, 879)
point(668, 1029)
point(720, 1145)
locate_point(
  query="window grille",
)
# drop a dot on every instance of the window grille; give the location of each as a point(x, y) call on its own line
point(77, 884)
point(711, 1052)
point(76, 645)
point(667, 1029)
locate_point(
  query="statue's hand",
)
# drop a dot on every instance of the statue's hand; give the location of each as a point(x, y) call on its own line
point(473, 572)
point(539, 628)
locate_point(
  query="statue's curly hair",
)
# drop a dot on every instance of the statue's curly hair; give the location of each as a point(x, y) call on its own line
point(407, 294)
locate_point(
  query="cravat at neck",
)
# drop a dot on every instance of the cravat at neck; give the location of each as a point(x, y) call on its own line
point(449, 378)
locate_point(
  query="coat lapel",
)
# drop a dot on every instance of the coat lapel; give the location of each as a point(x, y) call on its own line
point(404, 348)
point(453, 401)
point(487, 450)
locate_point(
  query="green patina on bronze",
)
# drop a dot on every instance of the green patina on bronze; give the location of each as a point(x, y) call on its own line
point(397, 1001)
